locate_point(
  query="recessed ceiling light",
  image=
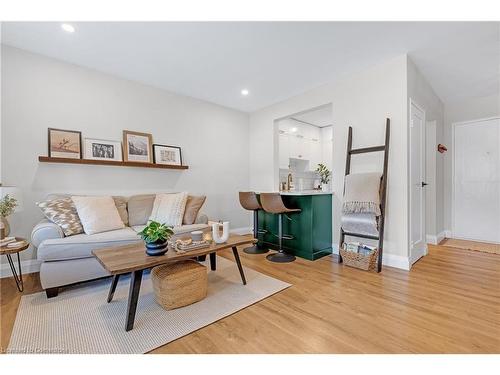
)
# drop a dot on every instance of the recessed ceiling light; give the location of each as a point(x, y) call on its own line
point(293, 130)
point(245, 92)
point(68, 28)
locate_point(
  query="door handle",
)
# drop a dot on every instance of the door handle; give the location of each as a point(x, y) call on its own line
point(424, 184)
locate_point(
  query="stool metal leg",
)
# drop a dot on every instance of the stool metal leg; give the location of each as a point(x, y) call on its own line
point(255, 249)
point(280, 256)
point(17, 277)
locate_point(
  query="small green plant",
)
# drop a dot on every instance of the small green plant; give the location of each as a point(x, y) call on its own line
point(155, 231)
point(324, 173)
point(7, 205)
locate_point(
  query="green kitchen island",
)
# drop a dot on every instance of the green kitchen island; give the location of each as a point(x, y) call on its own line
point(311, 228)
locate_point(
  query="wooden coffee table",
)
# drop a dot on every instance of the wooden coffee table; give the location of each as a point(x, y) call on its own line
point(133, 259)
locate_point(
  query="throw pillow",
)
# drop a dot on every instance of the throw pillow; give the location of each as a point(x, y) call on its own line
point(121, 206)
point(97, 214)
point(169, 208)
point(140, 208)
point(193, 206)
point(62, 212)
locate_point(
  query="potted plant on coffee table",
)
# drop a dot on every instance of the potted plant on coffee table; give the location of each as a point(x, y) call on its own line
point(156, 236)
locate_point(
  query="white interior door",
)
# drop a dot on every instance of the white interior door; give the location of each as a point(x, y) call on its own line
point(418, 244)
point(476, 198)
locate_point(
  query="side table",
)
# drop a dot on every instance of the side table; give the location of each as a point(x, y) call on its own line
point(8, 251)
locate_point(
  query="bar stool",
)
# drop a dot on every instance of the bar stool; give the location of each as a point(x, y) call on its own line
point(248, 200)
point(272, 203)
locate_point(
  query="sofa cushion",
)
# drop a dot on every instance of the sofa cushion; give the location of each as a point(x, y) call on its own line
point(81, 245)
point(139, 209)
point(62, 212)
point(193, 206)
point(169, 208)
point(98, 214)
point(121, 206)
point(120, 202)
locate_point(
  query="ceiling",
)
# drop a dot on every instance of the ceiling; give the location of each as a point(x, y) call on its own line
point(214, 61)
point(320, 117)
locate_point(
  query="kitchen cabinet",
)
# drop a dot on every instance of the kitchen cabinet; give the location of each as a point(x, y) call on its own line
point(299, 147)
point(311, 228)
point(302, 142)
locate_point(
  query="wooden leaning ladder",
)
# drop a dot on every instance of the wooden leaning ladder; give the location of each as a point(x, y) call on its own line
point(350, 152)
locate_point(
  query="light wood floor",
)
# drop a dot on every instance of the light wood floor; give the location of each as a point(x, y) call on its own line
point(471, 245)
point(448, 303)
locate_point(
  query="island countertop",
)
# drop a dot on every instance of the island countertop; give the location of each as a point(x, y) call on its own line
point(305, 192)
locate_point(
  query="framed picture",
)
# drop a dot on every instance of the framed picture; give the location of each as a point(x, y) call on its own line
point(164, 154)
point(137, 146)
point(99, 149)
point(65, 143)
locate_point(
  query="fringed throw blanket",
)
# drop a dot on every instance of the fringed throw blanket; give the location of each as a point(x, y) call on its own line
point(362, 193)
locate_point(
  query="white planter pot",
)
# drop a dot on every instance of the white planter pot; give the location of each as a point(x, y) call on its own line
point(325, 188)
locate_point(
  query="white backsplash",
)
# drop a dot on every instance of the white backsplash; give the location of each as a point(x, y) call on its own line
point(302, 178)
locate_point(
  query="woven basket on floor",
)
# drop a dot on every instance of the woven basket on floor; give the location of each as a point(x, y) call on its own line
point(364, 262)
point(179, 284)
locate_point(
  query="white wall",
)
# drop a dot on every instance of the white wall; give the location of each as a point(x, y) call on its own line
point(422, 93)
point(473, 109)
point(363, 101)
point(39, 92)
point(327, 146)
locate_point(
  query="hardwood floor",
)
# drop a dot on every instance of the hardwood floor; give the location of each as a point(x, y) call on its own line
point(472, 245)
point(448, 303)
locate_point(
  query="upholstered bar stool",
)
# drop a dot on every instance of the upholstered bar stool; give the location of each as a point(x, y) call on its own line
point(249, 201)
point(272, 203)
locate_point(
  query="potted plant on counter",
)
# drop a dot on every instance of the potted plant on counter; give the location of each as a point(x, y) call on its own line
point(156, 236)
point(324, 174)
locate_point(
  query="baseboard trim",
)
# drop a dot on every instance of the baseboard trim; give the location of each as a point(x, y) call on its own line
point(436, 239)
point(396, 261)
point(241, 231)
point(27, 266)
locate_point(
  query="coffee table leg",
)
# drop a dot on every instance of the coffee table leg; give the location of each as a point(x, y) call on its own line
point(17, 278)
point(113, 287)
point(213, 264)
point(133, 296)
point(240, 267)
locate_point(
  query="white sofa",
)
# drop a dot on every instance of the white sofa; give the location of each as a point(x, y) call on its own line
point(69, 260)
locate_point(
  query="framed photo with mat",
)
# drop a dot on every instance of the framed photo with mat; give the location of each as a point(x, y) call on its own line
point(99, 149)
point(168, 155)
point(64, 143)
point(137, 147)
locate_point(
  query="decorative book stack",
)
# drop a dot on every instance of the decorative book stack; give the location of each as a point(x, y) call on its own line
point(11, 242)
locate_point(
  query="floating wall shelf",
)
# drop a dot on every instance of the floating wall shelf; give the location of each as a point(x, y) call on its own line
point(46, 159)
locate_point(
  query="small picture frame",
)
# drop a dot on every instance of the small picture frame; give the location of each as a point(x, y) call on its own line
point(137, 147)
point(100, 149)
point(64, 143)
point(168, 155)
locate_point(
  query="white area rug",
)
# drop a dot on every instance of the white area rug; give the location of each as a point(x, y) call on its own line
point(80, 321)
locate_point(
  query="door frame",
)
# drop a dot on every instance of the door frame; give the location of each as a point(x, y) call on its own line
point(453, 129)
point(412, 258)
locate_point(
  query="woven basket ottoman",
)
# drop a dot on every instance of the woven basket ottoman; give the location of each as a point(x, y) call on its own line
point(179, 284)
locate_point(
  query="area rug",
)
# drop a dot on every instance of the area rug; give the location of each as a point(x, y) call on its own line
point(80, 321)
point(471, 245)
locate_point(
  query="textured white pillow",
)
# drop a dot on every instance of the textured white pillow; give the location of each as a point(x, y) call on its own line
point(169, 208)
point(98, 214)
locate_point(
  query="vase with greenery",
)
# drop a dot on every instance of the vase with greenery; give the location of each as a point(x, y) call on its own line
point(7, 207)
point(156, 236)
point(324, 174)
